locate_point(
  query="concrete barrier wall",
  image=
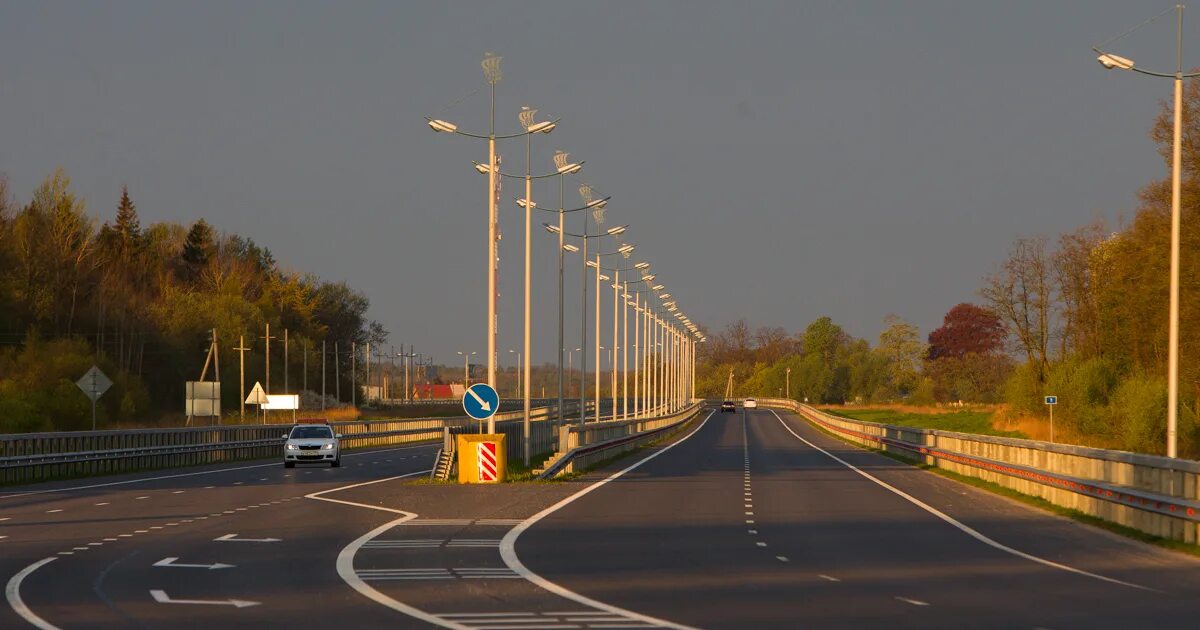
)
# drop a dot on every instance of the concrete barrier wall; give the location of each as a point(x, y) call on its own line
point(1153, 494)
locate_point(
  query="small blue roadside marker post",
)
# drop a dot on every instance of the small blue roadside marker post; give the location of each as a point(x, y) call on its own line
point(1050, 402)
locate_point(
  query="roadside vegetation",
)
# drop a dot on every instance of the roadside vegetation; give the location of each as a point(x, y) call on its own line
point(141, 302)
point(1082, 316)
point(966, 421)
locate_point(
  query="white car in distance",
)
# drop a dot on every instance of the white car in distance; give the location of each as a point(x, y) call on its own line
point(312, 443)
point(750, 403)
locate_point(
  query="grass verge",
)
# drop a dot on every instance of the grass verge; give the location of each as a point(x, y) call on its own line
point(967, 421)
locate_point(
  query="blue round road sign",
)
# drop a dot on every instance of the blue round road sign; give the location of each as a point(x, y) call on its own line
point(481, 401)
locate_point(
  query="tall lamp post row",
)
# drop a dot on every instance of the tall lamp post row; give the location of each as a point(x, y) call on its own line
point(672, 355)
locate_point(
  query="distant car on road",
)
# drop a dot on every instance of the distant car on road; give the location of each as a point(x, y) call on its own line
point(728, 405)
point(750, 403)
point(312, 443)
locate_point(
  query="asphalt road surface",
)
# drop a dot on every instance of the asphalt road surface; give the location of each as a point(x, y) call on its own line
point(750, 519)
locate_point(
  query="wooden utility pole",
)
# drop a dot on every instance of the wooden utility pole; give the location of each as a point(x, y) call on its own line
point(323, 353)
point(241, 350)
point(267, 337)
point(285, 362)
point(337, 374)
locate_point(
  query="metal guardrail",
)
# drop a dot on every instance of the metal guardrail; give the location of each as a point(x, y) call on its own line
point(31, 457)
point(584, 450)
point(1166, 505)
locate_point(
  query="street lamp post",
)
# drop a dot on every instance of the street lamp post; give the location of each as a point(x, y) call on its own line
point(466, 368)
point(491, 71)
point(788, 382)
point(1111, 62)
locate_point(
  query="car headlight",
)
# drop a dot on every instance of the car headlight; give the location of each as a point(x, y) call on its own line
point(292, 447)
point(328, 447)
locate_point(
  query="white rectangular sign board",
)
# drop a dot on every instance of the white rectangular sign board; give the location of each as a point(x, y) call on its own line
point(282, 401)
point(202, 398)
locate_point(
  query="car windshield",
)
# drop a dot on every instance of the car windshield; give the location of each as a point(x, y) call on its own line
point(311, 432)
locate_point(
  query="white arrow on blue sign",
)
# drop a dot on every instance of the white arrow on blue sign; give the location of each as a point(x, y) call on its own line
point(481, 401)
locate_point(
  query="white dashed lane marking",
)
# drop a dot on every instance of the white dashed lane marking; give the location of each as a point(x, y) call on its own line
point(914, 602)
point(53, 511)
point(140, 498)
point(828, 578)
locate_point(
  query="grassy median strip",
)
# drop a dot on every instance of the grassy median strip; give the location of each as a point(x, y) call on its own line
point(1027, 499)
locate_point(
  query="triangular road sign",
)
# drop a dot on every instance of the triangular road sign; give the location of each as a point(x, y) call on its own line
point(257, 395)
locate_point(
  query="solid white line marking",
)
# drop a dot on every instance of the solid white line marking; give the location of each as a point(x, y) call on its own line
point(961, 526)
point(12, 592)
point(170, 562)
point(162, 598)
point(234, 538)
point(828, 578)
point(509, 554)
point(345, 559)
point(191, 474)
point(914, 602)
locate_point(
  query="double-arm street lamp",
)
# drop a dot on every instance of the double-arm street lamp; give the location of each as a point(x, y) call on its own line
point(584, 238)
point(466, 367)
point(1112, 62)
point(491, 71)
point(563, 167)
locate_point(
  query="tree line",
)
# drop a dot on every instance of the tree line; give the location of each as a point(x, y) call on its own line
point(142, 302)
point(1082, 316)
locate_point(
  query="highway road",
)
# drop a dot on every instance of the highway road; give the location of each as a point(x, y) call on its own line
point(750, 519)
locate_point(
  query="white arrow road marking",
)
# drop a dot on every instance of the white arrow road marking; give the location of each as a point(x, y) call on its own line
point(170, 562)
point(162, 598)
point(486, 406)
point(234, 538)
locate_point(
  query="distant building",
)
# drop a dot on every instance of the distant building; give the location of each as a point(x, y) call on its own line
point(437, 392)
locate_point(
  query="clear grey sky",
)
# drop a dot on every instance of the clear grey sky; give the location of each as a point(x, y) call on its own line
point(775, 161)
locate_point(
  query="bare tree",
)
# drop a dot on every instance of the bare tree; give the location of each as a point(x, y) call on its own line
point(1021, 293)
